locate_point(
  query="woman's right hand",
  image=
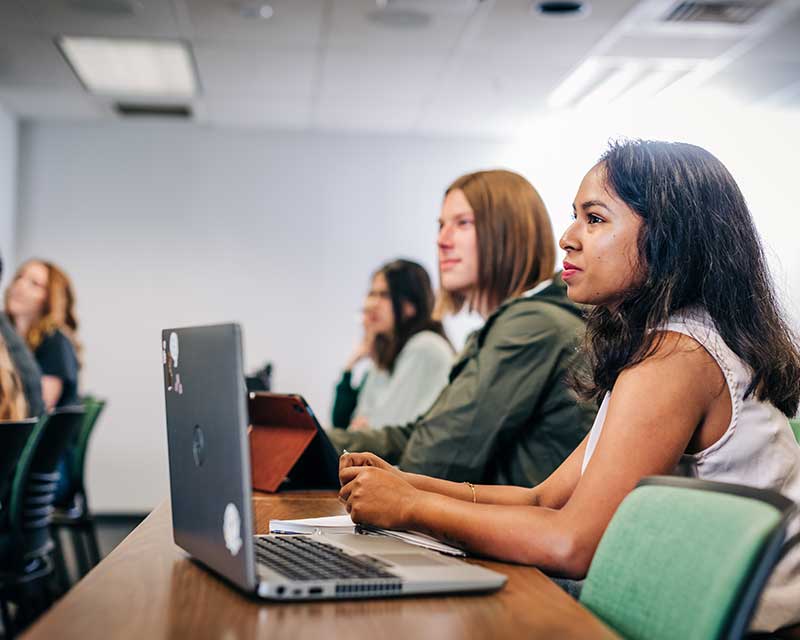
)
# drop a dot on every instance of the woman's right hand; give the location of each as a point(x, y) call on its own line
point(366, 459)
point(363, 349)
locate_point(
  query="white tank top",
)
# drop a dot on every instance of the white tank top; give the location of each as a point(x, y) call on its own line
point(758, 449)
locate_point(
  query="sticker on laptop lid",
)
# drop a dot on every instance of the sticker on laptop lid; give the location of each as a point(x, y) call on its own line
point(178, 384)
point(232, 529)
point(173, 348)
point(169, 371)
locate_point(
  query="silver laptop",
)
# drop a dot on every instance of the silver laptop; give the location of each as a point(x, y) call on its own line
point(210, 485)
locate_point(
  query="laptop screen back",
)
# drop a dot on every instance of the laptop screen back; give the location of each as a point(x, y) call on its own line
point(209, 456)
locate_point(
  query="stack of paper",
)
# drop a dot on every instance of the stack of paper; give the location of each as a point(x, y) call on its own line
point(344, 524)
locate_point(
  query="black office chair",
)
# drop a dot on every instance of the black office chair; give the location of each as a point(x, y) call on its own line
point(25, 541)
point(260, 380)
point(73, 513)
point(14, 435)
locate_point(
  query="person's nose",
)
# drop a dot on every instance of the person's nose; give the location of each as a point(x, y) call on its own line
point(570, 240)
point(445, 239)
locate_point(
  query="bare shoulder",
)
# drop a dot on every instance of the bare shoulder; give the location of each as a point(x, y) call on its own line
point(679, 362)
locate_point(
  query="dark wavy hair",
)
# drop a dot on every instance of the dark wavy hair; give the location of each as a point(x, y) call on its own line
point(699, 248)
point(407, 282)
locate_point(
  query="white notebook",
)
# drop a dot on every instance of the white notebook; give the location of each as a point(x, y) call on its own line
point(344, 524)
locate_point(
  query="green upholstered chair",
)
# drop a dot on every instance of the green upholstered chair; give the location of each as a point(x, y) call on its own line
point(685, 558)
point(796, 428)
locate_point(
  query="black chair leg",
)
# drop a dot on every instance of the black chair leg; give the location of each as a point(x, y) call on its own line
point(80, 552)
point(62, 576)
point(94, 547)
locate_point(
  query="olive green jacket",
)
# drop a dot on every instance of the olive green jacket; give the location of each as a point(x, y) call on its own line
point(506, 417)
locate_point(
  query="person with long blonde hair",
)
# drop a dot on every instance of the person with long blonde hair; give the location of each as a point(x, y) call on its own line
point(12, 399)
point(40, 303)
point(23, 364)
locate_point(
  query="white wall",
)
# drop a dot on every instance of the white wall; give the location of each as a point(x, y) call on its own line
point(760, 147)
point(8, 186)
point(165, 226)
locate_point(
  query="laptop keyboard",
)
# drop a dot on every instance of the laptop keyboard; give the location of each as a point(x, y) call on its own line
point(299, 557)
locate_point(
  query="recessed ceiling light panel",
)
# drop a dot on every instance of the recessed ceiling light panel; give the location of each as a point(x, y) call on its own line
point(130, 67)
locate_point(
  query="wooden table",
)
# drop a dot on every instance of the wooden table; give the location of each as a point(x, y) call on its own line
point(148, 588)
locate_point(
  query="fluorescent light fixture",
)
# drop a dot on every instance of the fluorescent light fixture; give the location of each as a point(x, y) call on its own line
point(651, 84)
point(575, 84)
point(613, 84)
point(129, 67)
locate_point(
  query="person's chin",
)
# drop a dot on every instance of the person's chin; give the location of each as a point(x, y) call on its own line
point(576, 294)
point(450, 282)
point(455, 286)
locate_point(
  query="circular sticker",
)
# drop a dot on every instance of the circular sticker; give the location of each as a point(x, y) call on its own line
point(232, 528)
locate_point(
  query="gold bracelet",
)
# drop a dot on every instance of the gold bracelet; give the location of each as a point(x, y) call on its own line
point(474, 495)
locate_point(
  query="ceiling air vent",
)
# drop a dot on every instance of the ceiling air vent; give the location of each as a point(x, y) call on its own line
point(730, 12)
point(180, 111)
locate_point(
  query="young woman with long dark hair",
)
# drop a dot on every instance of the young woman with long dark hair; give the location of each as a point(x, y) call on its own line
point(695, 370)
point(408, 351)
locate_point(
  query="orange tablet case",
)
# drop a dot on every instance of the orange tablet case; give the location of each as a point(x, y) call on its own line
point(282, 430)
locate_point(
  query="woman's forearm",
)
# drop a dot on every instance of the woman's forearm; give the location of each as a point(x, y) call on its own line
point(484, 493)
point(513, 533)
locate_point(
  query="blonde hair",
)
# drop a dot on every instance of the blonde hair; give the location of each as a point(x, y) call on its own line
point(13, 405)
point(58, 313)
point(516, 245)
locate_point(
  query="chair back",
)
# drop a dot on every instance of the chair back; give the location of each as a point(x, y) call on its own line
point(60, 431)
point(686, 558)
point(13, 437)
point(93, 408)
point(795, 424)
point(30, 503)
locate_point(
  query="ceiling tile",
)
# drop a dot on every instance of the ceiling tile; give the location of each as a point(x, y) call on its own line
point(294, 22)
point(670, 47)
point(351, 27)
point(147, 19)
point(34, 60)
point(244, 71)
point(512, 29)
point(324, 63)
point(371, 75)
point(474, 78)
point(14, 18)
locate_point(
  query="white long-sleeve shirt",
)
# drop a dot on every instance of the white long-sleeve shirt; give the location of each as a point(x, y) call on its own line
point(420, 373)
